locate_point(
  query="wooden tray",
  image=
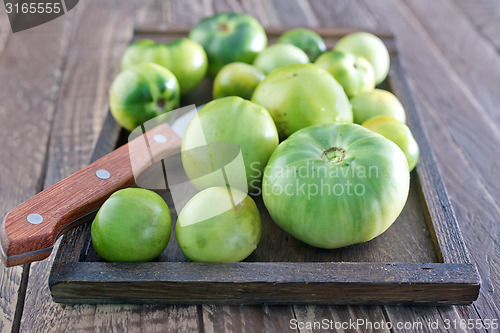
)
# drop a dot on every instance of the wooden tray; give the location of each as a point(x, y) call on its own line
point(420, 259)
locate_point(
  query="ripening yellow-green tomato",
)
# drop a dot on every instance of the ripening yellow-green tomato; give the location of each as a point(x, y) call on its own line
point(398, 133)
point(354, 73)
point(298, 96)
point(370, 47)
point(219, 225)
point(279, 55)
point(374, 103)
point(237, 79)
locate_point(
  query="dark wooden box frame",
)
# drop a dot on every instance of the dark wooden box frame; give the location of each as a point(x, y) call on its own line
point(452, 280)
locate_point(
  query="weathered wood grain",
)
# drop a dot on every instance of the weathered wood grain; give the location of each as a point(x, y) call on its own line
point(253, 282)
point(342, 14)
point(463, 50)
point(458, 177)
point(475, 134)
point(247, 318)
point(332, 317)
point(463, 182)
point(28, 96)
point(485, 16)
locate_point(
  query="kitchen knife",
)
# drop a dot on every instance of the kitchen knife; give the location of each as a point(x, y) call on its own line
point(28, 232)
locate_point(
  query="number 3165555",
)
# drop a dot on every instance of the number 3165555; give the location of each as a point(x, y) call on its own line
point(33, 8)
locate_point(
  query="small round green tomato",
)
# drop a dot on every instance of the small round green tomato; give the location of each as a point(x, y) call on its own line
point(279, 55)
point(370, 47)
point(333, 185)
point(229, 120)
point(306, 40)
point(299, 96)
point(229, 37)
point(134, 224)
point(219, 225)
point(185, 58)
point(398, 133)
point(142, 92)
point(354, 73)
point(374, 103)
point(237, 79)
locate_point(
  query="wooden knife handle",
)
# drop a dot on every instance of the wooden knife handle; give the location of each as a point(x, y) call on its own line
point(22, 241)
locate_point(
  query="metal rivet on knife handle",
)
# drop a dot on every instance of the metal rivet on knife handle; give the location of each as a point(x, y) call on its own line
point(34, 218)
point(102, 174)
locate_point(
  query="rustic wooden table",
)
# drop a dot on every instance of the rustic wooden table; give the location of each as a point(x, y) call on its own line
point(53, 98)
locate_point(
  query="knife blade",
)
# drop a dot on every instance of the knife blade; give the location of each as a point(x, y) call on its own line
point(29, 231)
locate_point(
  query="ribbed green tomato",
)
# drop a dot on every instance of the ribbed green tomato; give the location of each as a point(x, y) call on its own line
point(306, 40)
point(134, 224)
point(377, 102)
point(279, 55)
point(229, 37)
point(185, 58)
point(398, 133)
point(219, 225)
point(142, 92)
point(334, 185)
point(229, 120)
point(299, 96)
point(237, 79)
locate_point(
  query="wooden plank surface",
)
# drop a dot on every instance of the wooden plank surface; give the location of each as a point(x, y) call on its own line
point(460, 45)
point(439, 107)
point(28, 93)
point(456, 47)
point(485, 16)
point(469, 183)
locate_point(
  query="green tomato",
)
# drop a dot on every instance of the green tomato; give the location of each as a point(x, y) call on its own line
point(370, 47)
point(334, 185)
point(219, 225)
point(185, 58)
point(229, 37)
point(354, 73)
point(237, 79)
point(134, 224)
point(306, 40)
point(142, 92)
point(229, 120)
point(279, 55)
point(374, 103)
point(299, 96)
point(398, 133)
